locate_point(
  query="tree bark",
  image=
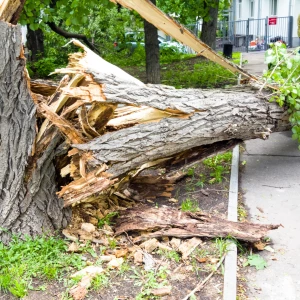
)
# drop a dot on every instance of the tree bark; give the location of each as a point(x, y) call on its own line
point(28, 201)
point(152, 52)
point(35, 43)
point(165, 221)
point(155, 124)
point(209, 27)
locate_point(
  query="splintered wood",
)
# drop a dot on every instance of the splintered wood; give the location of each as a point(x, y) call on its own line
point(115, 127)
point(171, 222)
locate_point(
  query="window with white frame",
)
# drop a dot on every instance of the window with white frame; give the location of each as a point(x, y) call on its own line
point(240, 9)
point(251, 8)
point(273, 7)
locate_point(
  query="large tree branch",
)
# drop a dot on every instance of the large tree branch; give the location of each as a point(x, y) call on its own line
point(70, 35)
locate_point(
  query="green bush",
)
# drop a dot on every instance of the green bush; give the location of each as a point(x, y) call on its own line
point(43, 67)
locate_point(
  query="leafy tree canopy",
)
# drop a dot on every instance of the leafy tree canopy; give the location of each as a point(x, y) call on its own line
point(187, 11)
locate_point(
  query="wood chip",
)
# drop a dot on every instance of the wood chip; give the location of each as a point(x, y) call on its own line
point(69, 236)
point(73, 247)
point(138, 257)
point(175, 243)
point(115, 263)
point(121, 253)
point(166, 290)
point(150, 245)
point(187, 247)
point(106, 258)
point(88, 227)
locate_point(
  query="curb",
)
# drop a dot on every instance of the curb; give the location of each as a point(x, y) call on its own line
point(230, 281)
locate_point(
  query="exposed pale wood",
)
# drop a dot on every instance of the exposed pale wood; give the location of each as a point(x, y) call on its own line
point(59, 99)
point(84, 188)
point(8, 8)
point(166, 221)
point(178, 122)
point(45, 88)
point(63, 125)
point(165, 23)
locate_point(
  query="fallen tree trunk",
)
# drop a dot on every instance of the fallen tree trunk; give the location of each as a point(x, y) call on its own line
point(166, 221)
point(153, 125)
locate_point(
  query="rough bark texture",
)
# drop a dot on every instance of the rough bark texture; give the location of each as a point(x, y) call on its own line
point(209, 28)
point(35, 43)
point(217, 115)
point(152, 52)
point(166, 221)
point(145, 125)
point(28, 203)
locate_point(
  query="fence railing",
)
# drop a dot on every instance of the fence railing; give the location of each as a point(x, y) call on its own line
point(249, 35)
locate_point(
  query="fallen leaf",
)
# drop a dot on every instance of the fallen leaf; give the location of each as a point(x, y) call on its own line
point(93, 221)
point(121, 253)
point(260, 245)
point(88, 227)
point(149, 262)
point(138, 257)
point(201, 259)
point(166, 290)
point(256, 261)
point(106, 258)
point(173, 200)
point(73, 247)
point(79, 291)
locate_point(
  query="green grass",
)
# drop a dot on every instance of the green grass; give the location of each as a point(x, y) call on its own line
point(43, 257)
point(149, 280)
point(204, 74)
point(189, 205)
point(219, 165)
point(171, 255)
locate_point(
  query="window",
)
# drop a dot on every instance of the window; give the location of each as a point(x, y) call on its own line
point(240, 9)
point(251, 8)
point(273, 7)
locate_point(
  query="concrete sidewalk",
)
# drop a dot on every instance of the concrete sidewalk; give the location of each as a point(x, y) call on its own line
point(271, 182)
point(255, 64)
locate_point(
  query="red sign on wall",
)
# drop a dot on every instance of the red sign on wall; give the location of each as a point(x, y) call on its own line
point(273, 21)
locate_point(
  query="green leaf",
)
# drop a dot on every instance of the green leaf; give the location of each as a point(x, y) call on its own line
point(256, 261)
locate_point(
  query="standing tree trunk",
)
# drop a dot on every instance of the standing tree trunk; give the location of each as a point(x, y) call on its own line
point(152, 52)
point(35, 43)
point(28, 201)
point(209, 28)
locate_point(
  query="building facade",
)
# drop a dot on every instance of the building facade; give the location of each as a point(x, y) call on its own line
point(279, 15)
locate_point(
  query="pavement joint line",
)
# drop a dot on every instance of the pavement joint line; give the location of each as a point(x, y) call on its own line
point(230, 276)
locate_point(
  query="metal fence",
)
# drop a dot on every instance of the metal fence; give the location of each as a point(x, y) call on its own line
point(255, 34)
point(252, 34)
